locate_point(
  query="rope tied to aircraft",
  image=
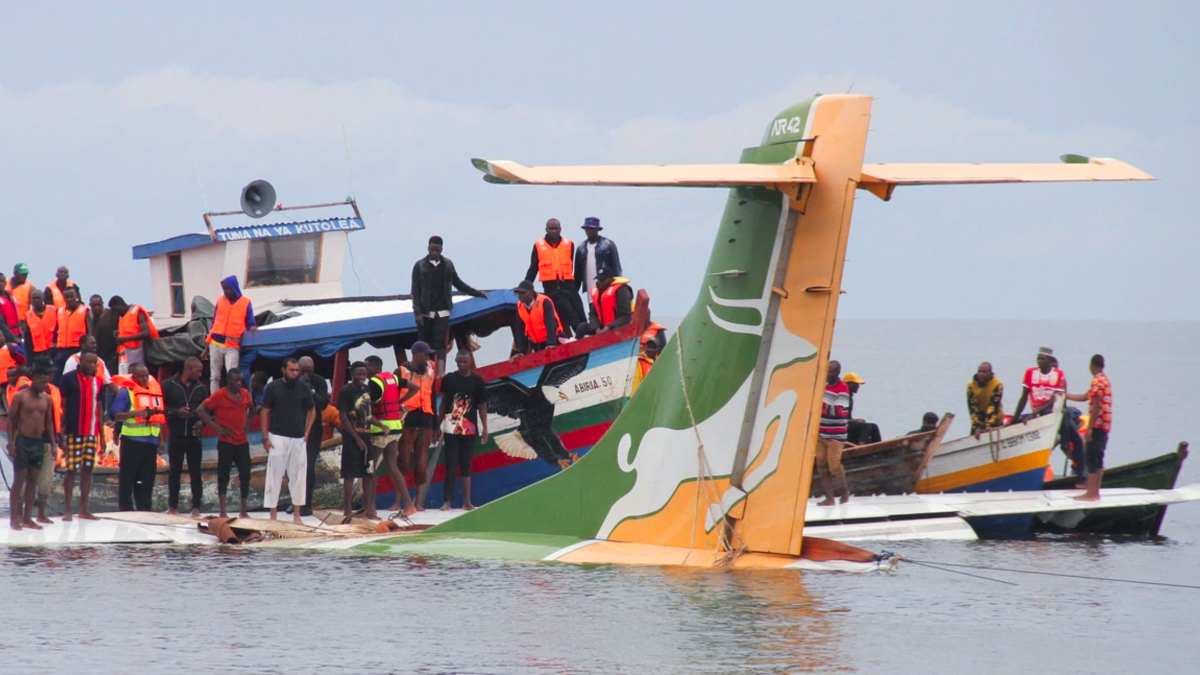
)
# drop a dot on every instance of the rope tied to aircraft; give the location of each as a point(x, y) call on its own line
point(1010, 570)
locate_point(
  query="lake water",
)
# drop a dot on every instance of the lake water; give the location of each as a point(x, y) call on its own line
point(200, 610)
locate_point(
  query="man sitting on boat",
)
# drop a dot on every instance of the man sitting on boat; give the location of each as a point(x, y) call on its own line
point(929, 422)
point(1041, 384)
point(860, 431)
point(612, 303)
point(537, 323)
point(985, 395)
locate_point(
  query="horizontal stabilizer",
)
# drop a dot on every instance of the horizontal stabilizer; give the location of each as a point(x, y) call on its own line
point(679, 175)
point(882, 179)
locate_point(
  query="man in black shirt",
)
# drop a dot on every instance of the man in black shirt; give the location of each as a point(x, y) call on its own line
point(462, 417)
point(287, 415)
point(354, 407)
point(432, 297)
point(320, 392)
point(182, 396)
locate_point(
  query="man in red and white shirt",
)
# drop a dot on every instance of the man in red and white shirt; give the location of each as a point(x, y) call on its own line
point(1099, 400)
point(1040, 385)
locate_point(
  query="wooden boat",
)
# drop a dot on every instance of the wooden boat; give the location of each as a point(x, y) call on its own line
point(1156, 473)
point(891, 467)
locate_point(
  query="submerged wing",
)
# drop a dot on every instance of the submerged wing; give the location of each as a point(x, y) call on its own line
point(557, 374)
point(514, 445)
point(881, 179)
point(507, 397)
point(680, 175)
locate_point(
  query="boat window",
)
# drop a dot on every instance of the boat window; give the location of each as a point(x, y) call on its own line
point(175, 262)
point(284, 261)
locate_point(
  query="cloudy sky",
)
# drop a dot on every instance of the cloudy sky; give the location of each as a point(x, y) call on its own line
point(110, 112)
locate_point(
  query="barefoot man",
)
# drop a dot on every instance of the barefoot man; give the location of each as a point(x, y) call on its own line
point(354, 407)
point(233, 410)
point(462, 418)
point(388, 393)
point(835, 423)
point(83, 428)
point(33, 420)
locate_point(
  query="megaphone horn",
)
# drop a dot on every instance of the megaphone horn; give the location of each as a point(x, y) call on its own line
point(258, 199)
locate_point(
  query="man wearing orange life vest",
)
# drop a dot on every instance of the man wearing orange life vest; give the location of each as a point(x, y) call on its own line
point(10, 324)
point(139, 407)
point(234, 315)
point(418, 423)
point(21, 289)
point(553, 263)
point(388, 394)
point(646, 359)
point(537, 324)
point(9, 357)
point(40, 324)
point(612, 303)
point(54, 293)
point(134, 326)
point(74, 322)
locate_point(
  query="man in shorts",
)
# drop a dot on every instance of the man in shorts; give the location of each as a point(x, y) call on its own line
point(354, 409)
point(1095, 442)
point(83, 428)
point(31, 420)
point(388, 394)
point(835, 423)
point(233, 409)
point(419, 421)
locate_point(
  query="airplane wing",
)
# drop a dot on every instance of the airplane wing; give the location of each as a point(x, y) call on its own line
point(678, 175)
point(881, 179)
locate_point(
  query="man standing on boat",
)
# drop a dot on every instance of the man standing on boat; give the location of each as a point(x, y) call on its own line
point(234, 315)
point(138, 406)
point(31, 419)
point(419, 421)
point(1041, 384)
point(320, 392)
point(10, 325)
point(287, 415)
point(985, 394)
point(55, 293)
point(21, 289)
point(74, 322)
point(595, 254)
point(104, 328)
point(612, 303)
point(835, 419)
point(83, 427)
point(354, 409)
point(433, 278)
point(134, 327)
point(388, 394)
point(41, 322)
point(1099, 400)
point(553, 263)
point(183, 394)
point(462, 418)
point(537, 323)
point(229, 411)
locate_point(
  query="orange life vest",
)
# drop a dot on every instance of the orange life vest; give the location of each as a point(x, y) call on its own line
point(56, 404)
point(606, 303)
point(230, 321)
point(41, 328)
point(535, 318)
point(71, 327)
point(6, 361)
point(128, 325)
point(555, 263)
point(651, 332)
point(21, 296)
point(59, 301)
point(423, 399)
point(22, 382)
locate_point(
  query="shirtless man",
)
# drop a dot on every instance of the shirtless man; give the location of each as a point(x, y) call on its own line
point(32, 414)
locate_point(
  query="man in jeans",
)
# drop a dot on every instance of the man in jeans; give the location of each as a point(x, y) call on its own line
point(462, 417)
point(835, 422)
point(287, 415)
point(183, 394)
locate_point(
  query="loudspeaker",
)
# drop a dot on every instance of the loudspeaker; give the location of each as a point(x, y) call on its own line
point(258, 199)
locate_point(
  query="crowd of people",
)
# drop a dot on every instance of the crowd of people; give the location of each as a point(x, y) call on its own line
point(1041, 388)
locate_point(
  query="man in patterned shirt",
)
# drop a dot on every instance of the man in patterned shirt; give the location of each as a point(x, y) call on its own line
point(1099, 400)
point(835, 422)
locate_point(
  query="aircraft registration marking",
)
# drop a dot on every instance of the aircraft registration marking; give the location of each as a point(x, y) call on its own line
point(785, 125)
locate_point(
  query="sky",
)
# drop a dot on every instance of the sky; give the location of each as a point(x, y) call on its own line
point(122, 123)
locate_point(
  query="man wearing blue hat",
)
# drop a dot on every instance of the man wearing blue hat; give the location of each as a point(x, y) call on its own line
point(595, 254)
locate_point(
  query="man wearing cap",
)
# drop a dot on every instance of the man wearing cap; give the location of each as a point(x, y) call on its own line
point(612, 303)
point(537, 325)
point(1041, 384)
point(553, 262)
point(595, 254)
point(432, 297)
point(861, 432)
point(20, 287)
